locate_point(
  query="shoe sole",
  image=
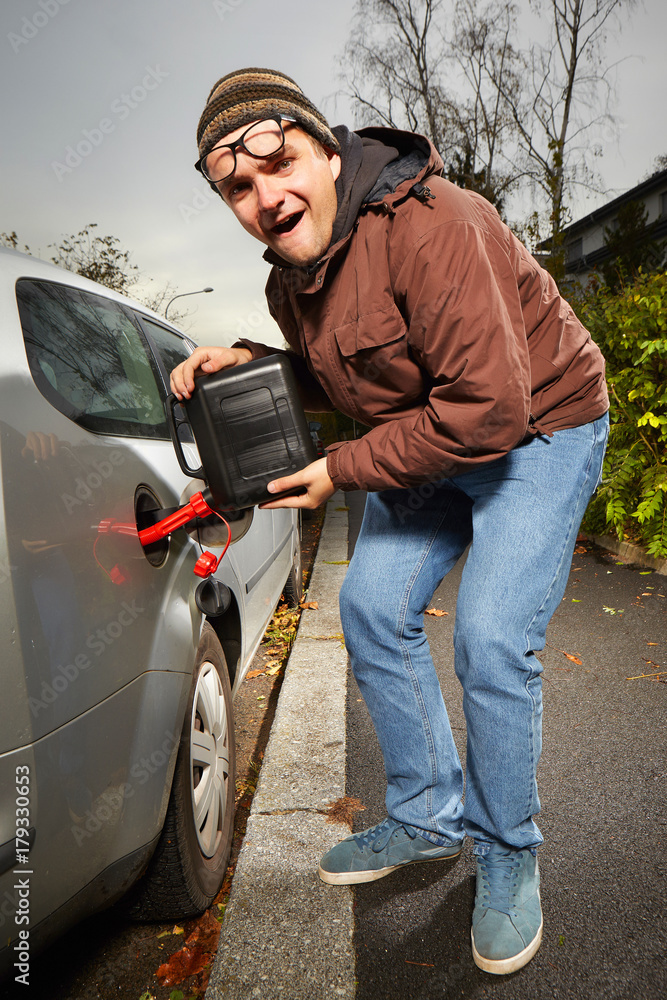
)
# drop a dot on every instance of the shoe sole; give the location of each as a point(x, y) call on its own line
point(503, 966)
point(356, 878)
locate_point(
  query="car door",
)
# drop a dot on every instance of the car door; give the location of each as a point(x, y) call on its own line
point(261, 554)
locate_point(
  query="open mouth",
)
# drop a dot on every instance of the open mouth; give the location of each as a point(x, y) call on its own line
point(288, 225)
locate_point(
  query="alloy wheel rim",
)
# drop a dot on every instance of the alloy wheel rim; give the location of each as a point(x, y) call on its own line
point(209, 759)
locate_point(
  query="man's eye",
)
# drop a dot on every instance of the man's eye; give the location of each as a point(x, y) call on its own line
point(236, 190)
point(284, 164)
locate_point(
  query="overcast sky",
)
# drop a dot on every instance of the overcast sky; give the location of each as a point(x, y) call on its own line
point(125, 81)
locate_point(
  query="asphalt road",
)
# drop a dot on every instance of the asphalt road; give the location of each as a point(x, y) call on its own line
point(602, 787)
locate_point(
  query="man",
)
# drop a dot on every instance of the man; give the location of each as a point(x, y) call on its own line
point(410, 306)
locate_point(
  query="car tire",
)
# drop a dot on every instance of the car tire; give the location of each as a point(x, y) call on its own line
point(190, 861)
point(293, 589)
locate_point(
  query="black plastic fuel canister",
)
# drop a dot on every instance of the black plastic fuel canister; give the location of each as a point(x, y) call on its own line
point(249, 428)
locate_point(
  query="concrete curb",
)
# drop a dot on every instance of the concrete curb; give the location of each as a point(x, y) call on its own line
point(630, 553)
point(285, 934)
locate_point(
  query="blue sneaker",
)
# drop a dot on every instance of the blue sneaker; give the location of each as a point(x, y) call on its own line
point(374, 853)
point(507, 919)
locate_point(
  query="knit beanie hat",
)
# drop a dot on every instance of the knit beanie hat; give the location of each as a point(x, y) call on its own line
point(250, 95)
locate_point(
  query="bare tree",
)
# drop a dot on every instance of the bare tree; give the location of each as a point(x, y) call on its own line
point(435, 67)
point(499, 115)
point(391, 65)
point(486, 63)
point(98, 258)
point(564, 99)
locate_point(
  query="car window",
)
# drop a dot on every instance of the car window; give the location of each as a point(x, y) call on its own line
point(171, 348)
point(89, 359)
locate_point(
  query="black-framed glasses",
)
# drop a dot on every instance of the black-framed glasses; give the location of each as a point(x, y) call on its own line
point(261, 139)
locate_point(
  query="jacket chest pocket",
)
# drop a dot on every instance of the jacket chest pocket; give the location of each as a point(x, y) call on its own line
point(375, 365)
point(375, 330)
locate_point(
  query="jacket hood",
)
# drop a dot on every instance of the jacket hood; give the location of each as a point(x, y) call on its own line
point(376, 163)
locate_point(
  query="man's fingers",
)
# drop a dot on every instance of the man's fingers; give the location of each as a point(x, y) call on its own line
point(313, 484)
point(183, 376)
point(206, 360)
point(288, 483)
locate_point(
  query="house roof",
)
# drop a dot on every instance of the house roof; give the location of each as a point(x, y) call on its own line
point(637, 193)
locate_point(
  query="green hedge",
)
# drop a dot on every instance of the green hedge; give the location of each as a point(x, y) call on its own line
point(630, 327)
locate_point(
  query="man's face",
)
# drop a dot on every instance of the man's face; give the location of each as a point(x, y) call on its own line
point(286, 201)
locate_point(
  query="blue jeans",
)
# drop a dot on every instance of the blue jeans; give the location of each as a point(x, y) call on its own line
point(520, 514)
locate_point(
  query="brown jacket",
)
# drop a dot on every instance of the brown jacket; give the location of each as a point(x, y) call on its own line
point(430, 322)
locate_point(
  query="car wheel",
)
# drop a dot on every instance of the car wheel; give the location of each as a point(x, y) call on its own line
point(293, 589)
point(189, 864)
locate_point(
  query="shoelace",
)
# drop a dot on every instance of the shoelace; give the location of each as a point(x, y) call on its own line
point(499, 874)
point(377, 837)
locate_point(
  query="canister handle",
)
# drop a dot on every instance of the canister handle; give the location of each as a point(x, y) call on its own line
point(174, 423)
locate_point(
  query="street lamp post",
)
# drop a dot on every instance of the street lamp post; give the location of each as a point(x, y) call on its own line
point(182, 295)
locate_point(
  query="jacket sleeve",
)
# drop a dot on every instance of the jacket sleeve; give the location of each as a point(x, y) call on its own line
point(458, 294)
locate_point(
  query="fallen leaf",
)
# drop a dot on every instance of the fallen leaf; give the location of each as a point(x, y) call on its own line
point(183, 964)
point(175, 930)
point(336, 562)
point(575, 659)
point(273, 668)
point(437, 612)
point(343, 810)
point(309, 605)
point(580, 549)
point(254, 673)
point(195, 955)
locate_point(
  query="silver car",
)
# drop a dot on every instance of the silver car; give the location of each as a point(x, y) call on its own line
point(116, 712)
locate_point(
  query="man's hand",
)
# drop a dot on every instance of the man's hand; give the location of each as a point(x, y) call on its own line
point(314, 478)
point(205, 361)
point(40, 446)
